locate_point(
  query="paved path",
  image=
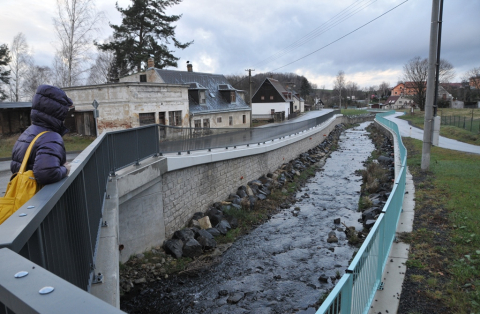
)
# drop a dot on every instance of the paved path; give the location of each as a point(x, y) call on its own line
point(406, 130)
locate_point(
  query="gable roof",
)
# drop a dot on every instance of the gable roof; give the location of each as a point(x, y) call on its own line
point(278, 87)
point(213, 84)
point(391, 100)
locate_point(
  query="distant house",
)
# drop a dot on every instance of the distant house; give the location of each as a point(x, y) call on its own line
point(397, 102)
point(404, 89)
point(271, 97)
point(212, 101)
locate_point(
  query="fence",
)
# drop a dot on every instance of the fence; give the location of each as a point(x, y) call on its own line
point(355, 290)
point(59, 227)
point(469, 124)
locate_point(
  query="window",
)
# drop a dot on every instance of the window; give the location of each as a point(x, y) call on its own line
point(175, 118)
point(395, 93)
point(146, 118)
point(230, 120)
point(206, 123)
point(198, 123)
point(232, 97)
point(271, 97)
point(244, 119)
point(295, 107)
point(202, 97)
point(262, 97)
point(219, 120)
point(143, 77)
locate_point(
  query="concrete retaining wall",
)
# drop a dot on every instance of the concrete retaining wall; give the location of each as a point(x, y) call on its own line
point(158, 199)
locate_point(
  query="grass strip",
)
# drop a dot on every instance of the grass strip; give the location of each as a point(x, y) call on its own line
point(444, 261)
point(353, 112)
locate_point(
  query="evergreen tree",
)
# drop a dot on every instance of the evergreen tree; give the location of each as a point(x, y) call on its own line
point(145, 31)
point(4, 74)
point(305, 88)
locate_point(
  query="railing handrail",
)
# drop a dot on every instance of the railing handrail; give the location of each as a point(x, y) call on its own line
point(342, 298)
point(15, 230)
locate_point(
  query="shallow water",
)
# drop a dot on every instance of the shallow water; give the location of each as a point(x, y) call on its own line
point(276, 267)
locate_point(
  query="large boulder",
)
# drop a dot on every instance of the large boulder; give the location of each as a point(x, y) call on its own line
point(204, 223)
point(184, 235)
point(223, 226)
point(214, 232)
point(174, 247)
point(241, 193)
point(207, 243)
point(215, 215)
point(192, 249)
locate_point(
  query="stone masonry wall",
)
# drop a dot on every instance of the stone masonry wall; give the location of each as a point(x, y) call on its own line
point(193, 189)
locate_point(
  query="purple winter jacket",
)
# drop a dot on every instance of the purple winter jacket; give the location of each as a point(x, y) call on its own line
point(49, 109)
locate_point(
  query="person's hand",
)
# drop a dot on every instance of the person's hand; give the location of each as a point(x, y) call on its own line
point(68, 166)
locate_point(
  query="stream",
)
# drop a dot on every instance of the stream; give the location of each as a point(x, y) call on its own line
point(276, 267)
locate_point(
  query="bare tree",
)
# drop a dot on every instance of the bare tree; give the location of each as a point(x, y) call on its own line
point(37, 75)
point(339, 84)
point(384, 89)
point(4, 73)
point(351, 89)
point(101, 70)
point(19, 64)
point(76, 24)
point(415, 74)
point(473, 78)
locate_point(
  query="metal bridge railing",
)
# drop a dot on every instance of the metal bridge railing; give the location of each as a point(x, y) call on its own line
point(59, 227)
point(355, 290)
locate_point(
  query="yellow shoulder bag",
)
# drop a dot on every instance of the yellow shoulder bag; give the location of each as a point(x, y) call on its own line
point(21, 187)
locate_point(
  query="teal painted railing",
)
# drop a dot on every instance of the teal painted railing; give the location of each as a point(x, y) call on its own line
point(355, 290)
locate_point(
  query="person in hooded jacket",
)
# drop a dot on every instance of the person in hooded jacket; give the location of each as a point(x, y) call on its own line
point(48, 158)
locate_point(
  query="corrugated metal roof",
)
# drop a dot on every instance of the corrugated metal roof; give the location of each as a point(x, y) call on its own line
point(10, 105)
point(214, 101)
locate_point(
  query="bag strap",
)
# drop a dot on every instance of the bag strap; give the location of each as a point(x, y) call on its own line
point(29, 151)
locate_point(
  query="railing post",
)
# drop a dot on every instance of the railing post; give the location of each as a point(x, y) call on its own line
point(41, 246)
point(157, 139)
point(346, 296)
point(137, 162)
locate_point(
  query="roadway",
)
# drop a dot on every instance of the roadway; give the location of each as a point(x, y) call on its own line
point(306, 116)
point(406, 130)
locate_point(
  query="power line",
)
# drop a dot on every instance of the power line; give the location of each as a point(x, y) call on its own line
point(339, 38)
point(334, 21)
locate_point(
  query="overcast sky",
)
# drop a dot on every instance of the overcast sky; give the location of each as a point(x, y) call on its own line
point(231, 36)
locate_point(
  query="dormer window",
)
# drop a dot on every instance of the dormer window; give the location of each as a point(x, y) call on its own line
point(202, 97)
point(232, 97)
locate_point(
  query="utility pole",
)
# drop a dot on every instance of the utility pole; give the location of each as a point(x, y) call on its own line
point(250, 93)
point(428, 124)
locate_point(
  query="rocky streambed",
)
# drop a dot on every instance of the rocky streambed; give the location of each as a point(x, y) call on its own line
point(284, 265)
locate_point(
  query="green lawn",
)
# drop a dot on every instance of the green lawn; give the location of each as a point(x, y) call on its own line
point(446, 237)
point(353, 112)
point(72, 143)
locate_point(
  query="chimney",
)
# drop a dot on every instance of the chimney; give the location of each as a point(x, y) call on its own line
point(189, 67)
point(150, 62)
